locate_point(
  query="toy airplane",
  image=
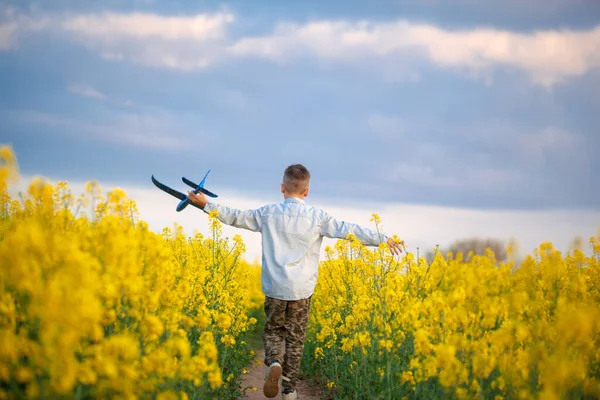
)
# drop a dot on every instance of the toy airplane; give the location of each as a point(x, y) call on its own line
point(184, 200)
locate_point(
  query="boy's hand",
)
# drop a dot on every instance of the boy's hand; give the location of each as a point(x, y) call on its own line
point(395, 248)
point(198, 199)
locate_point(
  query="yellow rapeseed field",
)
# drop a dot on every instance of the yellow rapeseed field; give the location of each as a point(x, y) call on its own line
point(103, 307)
point(93, 304)
point(463, 327)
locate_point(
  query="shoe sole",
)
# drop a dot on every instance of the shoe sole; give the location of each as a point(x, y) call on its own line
point(271, 387)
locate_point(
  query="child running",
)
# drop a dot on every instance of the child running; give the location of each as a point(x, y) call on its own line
point(292, 233)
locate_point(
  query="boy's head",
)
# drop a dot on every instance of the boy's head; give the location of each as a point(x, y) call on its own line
point(295, 181)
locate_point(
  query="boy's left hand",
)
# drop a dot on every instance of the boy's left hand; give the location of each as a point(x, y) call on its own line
point(198, 199)
point(395, 247)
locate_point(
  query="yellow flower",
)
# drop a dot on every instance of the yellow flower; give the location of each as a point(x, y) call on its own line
point(228, 340)
point(167, 395)
point(8, 165)
point(375, 218)
point(23, 375)
point(407, 376)
point(224, 321)
point(214, 378)
point(386, 344)
point(319, 353)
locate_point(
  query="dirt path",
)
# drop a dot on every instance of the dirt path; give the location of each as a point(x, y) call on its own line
point(256, 377)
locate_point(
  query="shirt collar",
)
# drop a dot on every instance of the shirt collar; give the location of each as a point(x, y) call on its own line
point(294, 200)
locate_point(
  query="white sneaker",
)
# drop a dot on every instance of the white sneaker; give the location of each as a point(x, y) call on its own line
point(272, 380)
point(293, 395)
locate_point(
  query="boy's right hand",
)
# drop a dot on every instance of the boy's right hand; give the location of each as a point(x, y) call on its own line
point(198, 199)
point(395, 247)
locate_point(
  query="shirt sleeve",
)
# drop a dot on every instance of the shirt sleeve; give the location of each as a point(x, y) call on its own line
point(333, 228)
point(245, 219)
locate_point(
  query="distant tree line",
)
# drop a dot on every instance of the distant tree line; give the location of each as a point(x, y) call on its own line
point(476, 245)
point(499, 247)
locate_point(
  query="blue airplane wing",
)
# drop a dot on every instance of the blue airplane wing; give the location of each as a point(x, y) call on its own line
point(193, 185)
point(208, 193)
point(167, 189)
point(172, 192)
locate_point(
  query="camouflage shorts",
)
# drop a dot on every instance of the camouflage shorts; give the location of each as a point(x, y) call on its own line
point(285, 326)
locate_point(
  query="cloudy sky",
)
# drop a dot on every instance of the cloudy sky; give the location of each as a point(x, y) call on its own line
point(449, 118)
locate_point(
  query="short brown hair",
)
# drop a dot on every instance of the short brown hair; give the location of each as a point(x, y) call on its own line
point(296, 178)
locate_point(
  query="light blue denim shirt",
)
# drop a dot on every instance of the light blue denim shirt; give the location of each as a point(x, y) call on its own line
point(292, 233)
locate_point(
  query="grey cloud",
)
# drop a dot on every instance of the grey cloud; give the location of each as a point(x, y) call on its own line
point(85, 91)
point(7, 32)
point(548, 57)
point(138, 130)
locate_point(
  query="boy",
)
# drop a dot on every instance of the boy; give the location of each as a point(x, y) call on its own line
point(292, 233)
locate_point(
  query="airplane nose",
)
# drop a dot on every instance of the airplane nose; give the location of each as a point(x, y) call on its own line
point(182, 204)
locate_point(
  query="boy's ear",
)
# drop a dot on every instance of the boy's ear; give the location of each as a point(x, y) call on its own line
point(306, 192)
point(282, 188)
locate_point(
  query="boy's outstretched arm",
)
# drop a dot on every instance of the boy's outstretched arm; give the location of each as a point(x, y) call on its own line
point(246, 219)
point(332, 228)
